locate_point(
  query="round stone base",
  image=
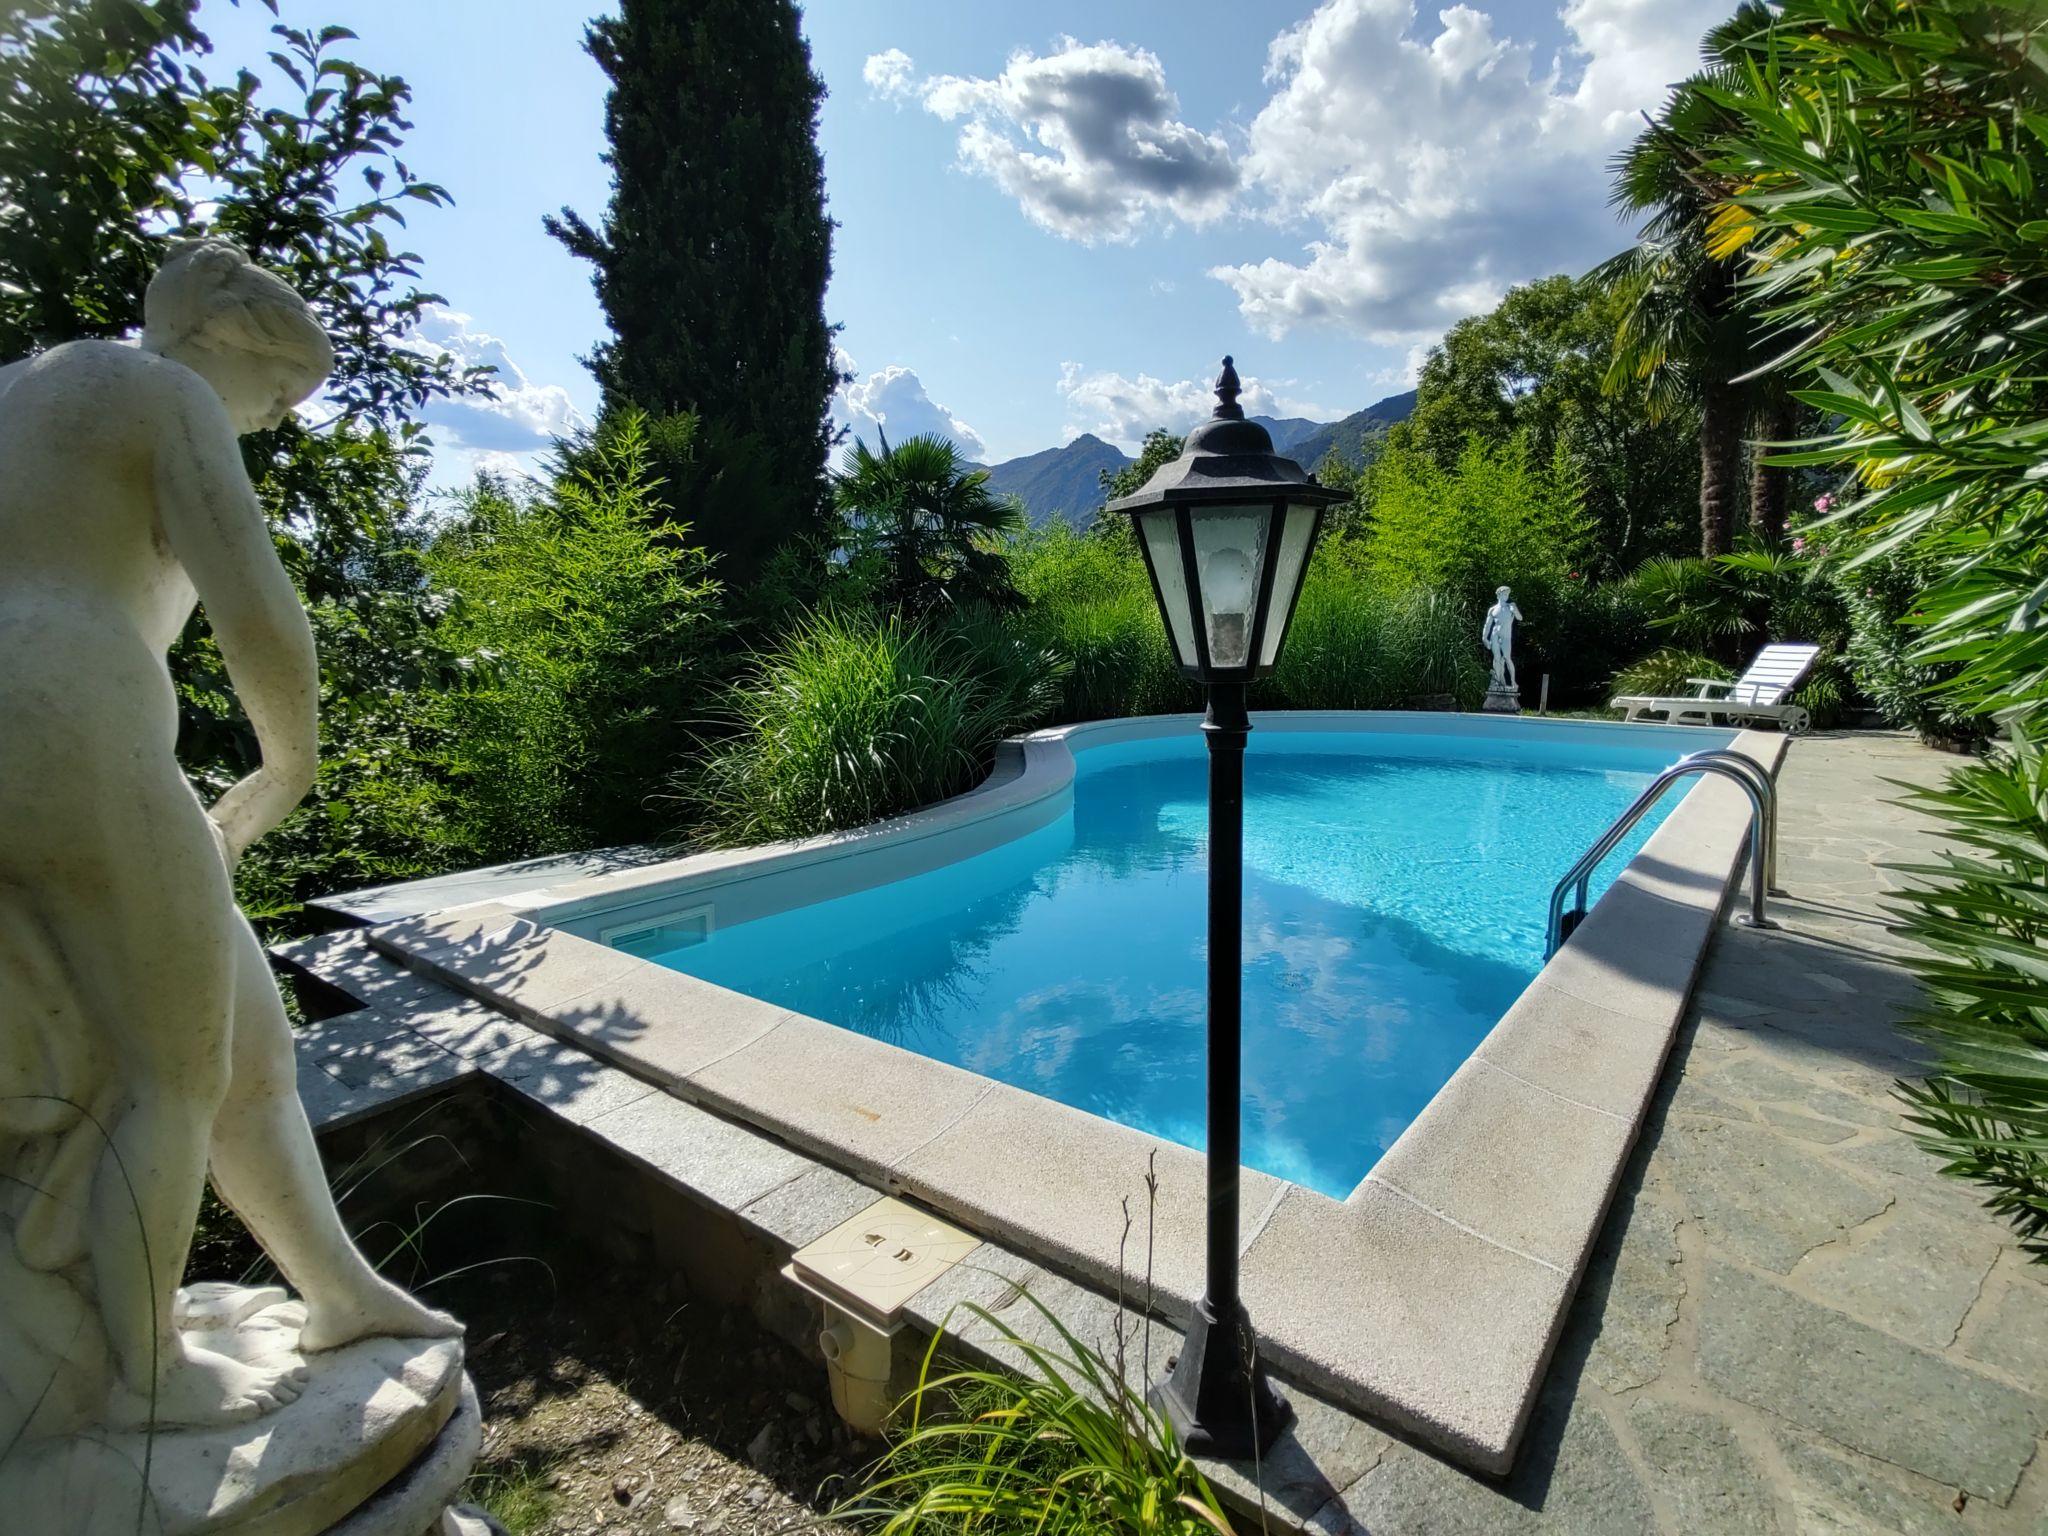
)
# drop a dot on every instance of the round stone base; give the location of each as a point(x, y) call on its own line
point(417, 1501)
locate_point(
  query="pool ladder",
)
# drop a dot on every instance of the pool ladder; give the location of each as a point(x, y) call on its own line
point(1763, 841)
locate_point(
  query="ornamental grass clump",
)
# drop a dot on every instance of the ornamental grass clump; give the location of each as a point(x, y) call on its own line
point(854, 717)
point(1066, 1446)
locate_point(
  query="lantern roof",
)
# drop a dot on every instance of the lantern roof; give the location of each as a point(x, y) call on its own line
point(1227, 459)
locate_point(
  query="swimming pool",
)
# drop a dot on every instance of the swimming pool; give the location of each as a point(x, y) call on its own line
point(1395, 889)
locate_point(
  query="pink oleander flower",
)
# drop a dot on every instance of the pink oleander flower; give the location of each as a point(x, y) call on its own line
point(1822, 503)
point(1798, 545)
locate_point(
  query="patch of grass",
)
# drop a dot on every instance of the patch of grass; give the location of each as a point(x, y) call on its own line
point(515, 1491)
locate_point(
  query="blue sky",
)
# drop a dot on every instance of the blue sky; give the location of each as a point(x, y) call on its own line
point(1056, 218)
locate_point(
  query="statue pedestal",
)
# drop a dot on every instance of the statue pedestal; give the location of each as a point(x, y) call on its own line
point(378, 1445)
point(1503, 701)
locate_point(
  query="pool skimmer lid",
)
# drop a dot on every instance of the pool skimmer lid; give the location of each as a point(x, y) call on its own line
point(876, 1262)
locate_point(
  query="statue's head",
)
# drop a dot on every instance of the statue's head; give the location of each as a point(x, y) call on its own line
point(237, 326)
point(1501, 593)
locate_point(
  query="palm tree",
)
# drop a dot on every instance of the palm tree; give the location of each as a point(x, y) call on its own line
point(927, 522)
point(1683, 333)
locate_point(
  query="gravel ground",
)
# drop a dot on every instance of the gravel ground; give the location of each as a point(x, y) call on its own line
point(646, 1413)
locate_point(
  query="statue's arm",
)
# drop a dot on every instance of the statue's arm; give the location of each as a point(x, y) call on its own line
point(217, 530)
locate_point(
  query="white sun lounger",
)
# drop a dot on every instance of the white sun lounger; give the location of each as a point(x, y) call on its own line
point(1761, 693)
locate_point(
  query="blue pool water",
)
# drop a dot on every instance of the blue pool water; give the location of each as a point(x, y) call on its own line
point(1395, 890)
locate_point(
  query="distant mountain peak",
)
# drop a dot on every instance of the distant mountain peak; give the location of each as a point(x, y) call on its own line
point(1066, 482)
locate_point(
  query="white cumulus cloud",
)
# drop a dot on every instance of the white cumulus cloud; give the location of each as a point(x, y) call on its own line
point(1445, 162)
point(1088, 139)
point(893, 400)
point(1122, 410)
point(888, 74)
point(503, 430)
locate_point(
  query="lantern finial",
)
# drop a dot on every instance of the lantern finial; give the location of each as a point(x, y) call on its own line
point(1227, 408)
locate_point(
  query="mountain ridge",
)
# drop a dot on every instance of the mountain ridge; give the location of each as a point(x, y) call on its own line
point(1065, 482)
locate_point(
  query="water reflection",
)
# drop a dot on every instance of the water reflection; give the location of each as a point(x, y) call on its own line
point(1393, 910)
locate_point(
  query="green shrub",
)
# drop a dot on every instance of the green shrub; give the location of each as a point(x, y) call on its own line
point(1355, 647)
point(1667, 674)
point(1493, 518)
point(585, 622)
point(1353, 643)
point(1981, 910)
point(1579, 634)
point(1883, 597)
point(854, 717)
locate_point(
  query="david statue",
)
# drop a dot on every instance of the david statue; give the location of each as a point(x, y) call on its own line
point(143, 1044)
point(1497, 634)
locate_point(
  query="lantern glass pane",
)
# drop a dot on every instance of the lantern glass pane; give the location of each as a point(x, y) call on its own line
point(1161, 532)
point(1288, 567)
point(1230, 551)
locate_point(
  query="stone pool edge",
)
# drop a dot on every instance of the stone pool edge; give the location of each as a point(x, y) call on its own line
point(1431, 1298)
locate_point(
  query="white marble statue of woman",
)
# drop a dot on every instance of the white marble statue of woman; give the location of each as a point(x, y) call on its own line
point(1498, 634)
point(142, 1040)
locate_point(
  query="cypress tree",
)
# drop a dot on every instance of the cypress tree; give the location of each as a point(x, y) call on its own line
point(712, 262)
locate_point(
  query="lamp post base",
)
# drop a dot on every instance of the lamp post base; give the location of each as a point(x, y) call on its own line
point(1217, 1394)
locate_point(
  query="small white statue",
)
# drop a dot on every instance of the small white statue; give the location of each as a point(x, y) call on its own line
point(142, 1040)
point(1498, 634)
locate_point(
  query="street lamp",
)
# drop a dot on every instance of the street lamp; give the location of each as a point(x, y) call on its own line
point(1226, 529)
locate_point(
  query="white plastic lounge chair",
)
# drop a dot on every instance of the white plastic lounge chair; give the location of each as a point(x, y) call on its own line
point(1759, 694)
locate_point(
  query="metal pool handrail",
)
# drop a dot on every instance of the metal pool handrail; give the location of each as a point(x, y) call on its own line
point(1763, 840)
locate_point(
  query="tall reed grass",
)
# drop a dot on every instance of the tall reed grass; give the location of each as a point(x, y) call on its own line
point(855, 717)
point(1353, 643)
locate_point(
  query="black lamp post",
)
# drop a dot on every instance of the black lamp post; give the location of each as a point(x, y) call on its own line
point(1227, 530)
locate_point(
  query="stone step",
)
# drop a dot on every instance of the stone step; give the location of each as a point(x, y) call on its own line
point(338, 972)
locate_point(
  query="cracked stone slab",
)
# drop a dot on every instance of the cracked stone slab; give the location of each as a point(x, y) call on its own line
point(1917, 1275)
point(1629, 1302)
point(2014, 1333)
point(1761, 1198)
point(1811, 1366)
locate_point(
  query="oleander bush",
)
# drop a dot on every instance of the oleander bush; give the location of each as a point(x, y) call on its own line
point(1887, 186)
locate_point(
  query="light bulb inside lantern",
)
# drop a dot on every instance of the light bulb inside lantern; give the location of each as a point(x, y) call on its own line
point(1227, 592)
